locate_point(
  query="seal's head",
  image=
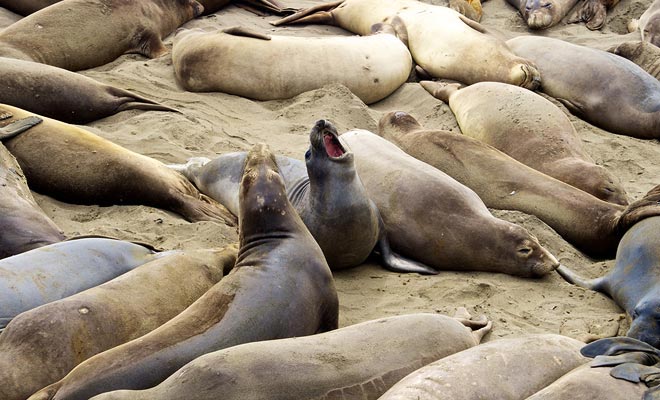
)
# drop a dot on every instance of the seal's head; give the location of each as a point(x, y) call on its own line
point(645, 324)
point(540, 14)
point(397, 123)
point(194, 8)
point(651, 31)
point(325, 152)
point(531, 259)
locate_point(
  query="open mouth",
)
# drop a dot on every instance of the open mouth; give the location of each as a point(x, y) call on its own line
point(333, 148)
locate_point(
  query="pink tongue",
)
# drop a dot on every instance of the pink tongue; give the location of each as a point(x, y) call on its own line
point(331, 147)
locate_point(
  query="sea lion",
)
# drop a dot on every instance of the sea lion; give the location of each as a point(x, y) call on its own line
point(63, 95)
point(56, 271)
point(442, 42)
point(634, 282)
point(280, 287)
point(530, 129)
point(434, 219)
point(63, 34)
point(42, 345)
point(92, 170)
point(648, 24)
point(590, 224)
point(593, 12)
point(352, 362)
point(586, 383)
point(606, 90)
point(542, 14)
point(25, 226)
point(641, 53)
point(325, 190)
point(493, 370)
point(250, 64)
point(26, 7)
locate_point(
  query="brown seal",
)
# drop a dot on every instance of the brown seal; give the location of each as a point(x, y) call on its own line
point(593, 12)
point(530, 129)
point(352, 362)
point(55, 37)
point(281, 286)
point(442, 42)
point(84, 168)
point(542, 14)
point(26, 7)
point(42, 345)
point(433, 219)
point(64, 95)
point(273, 6)
point(641, 53)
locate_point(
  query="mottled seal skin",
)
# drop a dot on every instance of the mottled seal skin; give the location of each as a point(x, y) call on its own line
point(56, 271)
point(249, 64)
point(586, 383)
point(325, 190)
point(530, 129)
point(501, 182)
point(280, 287)
point(436, 220)
point(25, 226)
point(606, 90)
point(63, 95)
point(348, 363)
point(641, 53)
point(542, 14)
point(443, 42)
point(26, 7)
point(593, 12)
point(42, 345)
point(92, 170)
point(634, 282)
point(63, 34)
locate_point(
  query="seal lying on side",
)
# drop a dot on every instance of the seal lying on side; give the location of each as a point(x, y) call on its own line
point(84, 168)
point(592, 225)
point(493, 370)
point(249, 64)
point(356, 362)
point(325, 191)
point(434, 219)
point(634, 282)
point(443, 42)
point(606, 90)
point(42, 345)
point(643, 54)
point(82, 34)
point(593, 12)
point(26, 7)
point(66, 96)
point(542, 14)
point(56, 271)
point(649, 24)
point(280, 287)
point(24, 224)
point(530, 129)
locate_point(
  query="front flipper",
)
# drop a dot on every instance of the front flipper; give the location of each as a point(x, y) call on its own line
point(394, 262)
point(575, 279)
point(19, 126)
point(320, 14)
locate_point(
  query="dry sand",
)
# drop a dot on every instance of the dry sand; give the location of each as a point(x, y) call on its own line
point(214, 123)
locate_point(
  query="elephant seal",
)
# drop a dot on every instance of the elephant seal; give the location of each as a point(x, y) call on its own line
point(55, 37)
point(541, 135)
point(590, 224)
point(606, 90)
point(641, 53)
point(42, 345)
point(442, 42)
point(634, 282)
point(542, 14)
point(26, 7)
point(280, 287)
point(327, 193)
point(586, 383)
point(436, 220)
point(593, 12)
point(649, 24)
point(63, 95)
point(211, 6)
point(106, 174)
point(56, 271)
point(372, 67)
point(493, 370)
point(356, 362)
point(25, 226)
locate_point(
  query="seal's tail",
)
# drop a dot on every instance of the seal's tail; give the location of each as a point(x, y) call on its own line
point(648, 206)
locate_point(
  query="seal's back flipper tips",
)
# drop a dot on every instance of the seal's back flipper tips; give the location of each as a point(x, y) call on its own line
point(479, 334)
point(259, 6)
point(19, 126)
point(319, 14)
point(617, 345)
point(205, 209)
point(441, 90)
point(397, 263)
point(646, 207)
point(245, 32)
point(633, 357)
point(139, 105)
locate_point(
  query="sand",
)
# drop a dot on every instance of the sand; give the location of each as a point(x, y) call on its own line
point(215, 123)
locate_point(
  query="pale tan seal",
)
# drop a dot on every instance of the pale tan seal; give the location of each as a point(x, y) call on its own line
point(644, 54)
point(84, 168)
point(41, 346)
point(530, 129)
point(442, 42)
point(648, 24)
point(268, 67)
point(542, 14)
point(501, 369)
point(55, 36)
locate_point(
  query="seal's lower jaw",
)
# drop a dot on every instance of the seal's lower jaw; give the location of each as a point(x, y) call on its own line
point(545, 265)
point(527, 76)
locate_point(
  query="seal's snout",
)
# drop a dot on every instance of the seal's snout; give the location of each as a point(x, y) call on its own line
point(324, 139)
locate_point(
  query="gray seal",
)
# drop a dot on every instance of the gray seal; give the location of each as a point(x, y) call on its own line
point(542, 14)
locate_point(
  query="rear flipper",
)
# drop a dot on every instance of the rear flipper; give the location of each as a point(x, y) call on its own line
point(441, 90)
point(191, 168)
point(575, 279)
point(320, 14)
point(482, 323)
point(19, 126)
point(617, 345)
point(259, 6)
point(394, 262)
point(636, 357)
point(205, 208)
point(646, 207)
point(633, 372)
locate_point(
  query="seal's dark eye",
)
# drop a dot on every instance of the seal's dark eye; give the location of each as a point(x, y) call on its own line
point(525, 250)
point(549, 5)
point(308, 154)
